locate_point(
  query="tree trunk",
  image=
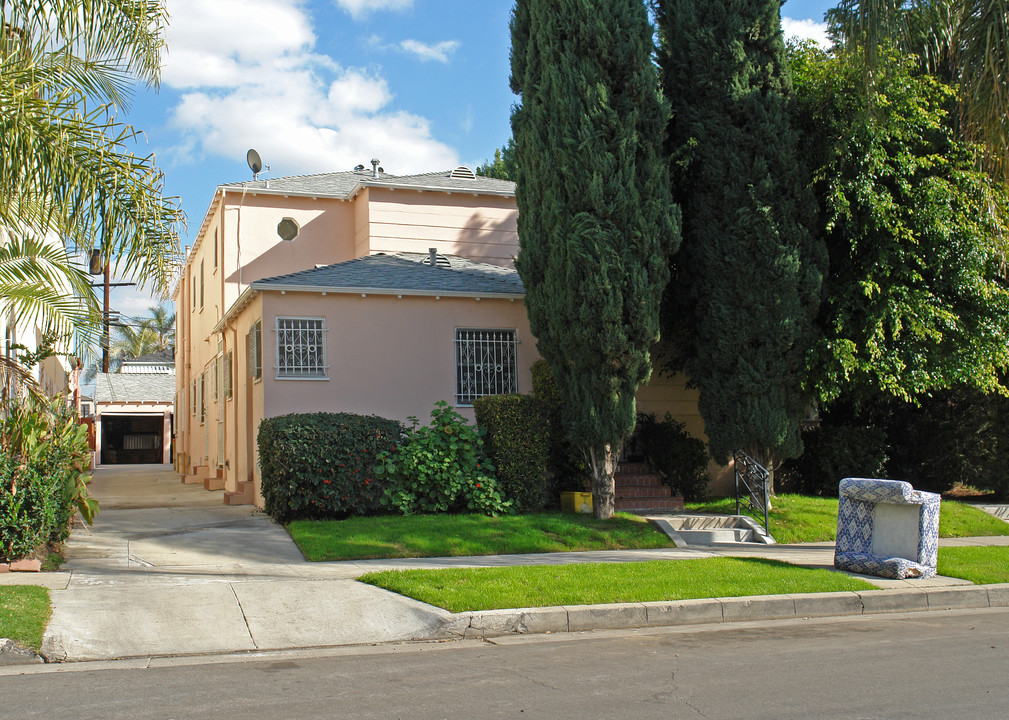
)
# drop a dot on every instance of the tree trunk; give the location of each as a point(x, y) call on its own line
point(603, 461)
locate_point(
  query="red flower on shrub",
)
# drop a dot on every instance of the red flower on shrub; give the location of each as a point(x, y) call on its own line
point(478, 484)
point(328, 482)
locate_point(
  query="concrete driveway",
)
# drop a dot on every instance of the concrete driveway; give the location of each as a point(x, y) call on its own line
point(168, 569)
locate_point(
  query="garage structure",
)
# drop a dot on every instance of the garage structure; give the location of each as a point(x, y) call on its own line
point(134, 418)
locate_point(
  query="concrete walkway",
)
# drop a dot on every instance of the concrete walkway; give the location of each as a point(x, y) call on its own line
point(167, 569)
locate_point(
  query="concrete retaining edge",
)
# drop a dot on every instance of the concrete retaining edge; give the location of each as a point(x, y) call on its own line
point(621, 616)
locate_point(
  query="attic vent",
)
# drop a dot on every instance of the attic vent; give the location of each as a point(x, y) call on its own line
point(440, 261)
point(462, 172)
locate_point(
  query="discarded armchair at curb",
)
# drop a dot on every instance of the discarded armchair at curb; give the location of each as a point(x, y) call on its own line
point(877, 533)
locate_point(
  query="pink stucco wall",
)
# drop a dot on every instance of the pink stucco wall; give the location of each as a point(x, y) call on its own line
point(390, 356)
point(478, 227)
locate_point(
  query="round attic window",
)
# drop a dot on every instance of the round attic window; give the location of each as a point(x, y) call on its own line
point(287, 229)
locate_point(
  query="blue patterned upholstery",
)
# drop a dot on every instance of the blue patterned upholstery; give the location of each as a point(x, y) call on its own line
point(855, 521)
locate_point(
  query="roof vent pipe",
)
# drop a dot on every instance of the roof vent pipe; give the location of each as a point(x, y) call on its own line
point(433, 255)
point(374, 167)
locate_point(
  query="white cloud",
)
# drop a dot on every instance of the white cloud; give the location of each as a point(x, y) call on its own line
point(250, 78)
point(805, 29)
point(360, 8)
point(425, 52)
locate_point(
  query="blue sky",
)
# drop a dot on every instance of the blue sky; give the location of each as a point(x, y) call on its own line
point(322, 85)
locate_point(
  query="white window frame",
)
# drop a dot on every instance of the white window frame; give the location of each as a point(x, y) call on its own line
point(503, 346)
point(321, 371)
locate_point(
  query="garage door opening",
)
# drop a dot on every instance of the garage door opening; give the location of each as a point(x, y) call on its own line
point(132, 439)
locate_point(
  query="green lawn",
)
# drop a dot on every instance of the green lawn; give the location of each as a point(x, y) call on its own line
point(980, 565)
point(798, 518)
point(458, 590)
point(396, 536)
point(24, 612)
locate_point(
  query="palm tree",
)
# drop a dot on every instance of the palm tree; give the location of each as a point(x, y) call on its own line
point(162, 323)
point(965, 41)
point(67, 177)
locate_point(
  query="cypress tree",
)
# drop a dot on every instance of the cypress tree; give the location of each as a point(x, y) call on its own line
point(746, 283)
point(596, 221)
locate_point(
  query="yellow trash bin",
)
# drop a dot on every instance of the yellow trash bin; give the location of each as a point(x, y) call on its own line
point(580, 502)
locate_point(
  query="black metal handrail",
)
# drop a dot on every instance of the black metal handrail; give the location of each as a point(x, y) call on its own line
point(753, 478)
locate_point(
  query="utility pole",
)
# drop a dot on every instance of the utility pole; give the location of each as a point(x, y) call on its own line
point(105, 320)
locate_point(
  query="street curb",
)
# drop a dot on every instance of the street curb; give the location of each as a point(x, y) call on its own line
point(13, 653)
point(622, 616)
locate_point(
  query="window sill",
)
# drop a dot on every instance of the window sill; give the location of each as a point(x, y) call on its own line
point(302, 377)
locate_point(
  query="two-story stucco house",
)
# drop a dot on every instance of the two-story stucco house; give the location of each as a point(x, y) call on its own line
point(353, 291)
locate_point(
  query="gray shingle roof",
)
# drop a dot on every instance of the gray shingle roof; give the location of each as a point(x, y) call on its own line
point(124, 388)
point(342, 184)
point(403, 272)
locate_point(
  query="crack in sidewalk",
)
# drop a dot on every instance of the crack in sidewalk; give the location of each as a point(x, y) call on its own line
point(246, 619)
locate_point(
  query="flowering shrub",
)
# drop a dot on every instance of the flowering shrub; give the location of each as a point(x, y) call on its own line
point(319, 465)
point(441, 468)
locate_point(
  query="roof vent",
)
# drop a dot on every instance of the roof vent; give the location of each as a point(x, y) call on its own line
point(462, 172)
point(359, 167)
point(437, 260)
point(375, 169)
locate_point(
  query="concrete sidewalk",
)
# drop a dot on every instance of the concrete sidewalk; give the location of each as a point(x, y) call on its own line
point(167, 569)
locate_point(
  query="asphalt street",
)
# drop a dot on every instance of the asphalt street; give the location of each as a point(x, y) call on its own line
point(916, 665)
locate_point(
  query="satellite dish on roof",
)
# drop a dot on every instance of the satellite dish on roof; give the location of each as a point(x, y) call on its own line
point(255, 163)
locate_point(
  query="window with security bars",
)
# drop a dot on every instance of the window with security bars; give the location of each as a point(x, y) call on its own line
point(226, 375)
point(301, 347)
point(255, 338)
point(201, 390)
point(485, 364)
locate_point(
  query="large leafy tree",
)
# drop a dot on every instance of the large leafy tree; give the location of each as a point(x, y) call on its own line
point(746, 283)
point(966, 42)
point(68, 176)
point(916, 298)
point(596, 221)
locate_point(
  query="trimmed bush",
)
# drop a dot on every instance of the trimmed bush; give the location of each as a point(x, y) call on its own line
point(518, 442)
point(319, 465)
point(567, 468)
point(680, 459)
point(441, 468)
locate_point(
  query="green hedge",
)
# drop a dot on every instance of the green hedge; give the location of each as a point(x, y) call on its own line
point(518, 443)
point(319, 465)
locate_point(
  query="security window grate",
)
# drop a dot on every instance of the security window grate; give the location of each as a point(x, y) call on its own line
point(485, 364)
point(301, 347)
point(227, 374)
point(256, 350)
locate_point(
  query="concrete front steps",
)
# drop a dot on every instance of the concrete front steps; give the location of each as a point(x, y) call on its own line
point(244, 496)
point(214, 480)
point(640, 490)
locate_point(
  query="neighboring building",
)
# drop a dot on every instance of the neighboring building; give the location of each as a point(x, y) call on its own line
point(134, 411)
point(323, 293)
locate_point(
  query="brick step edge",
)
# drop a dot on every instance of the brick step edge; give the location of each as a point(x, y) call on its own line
point(620, 616)
point(644, 491)
point(644, 480)
point(642, 504)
